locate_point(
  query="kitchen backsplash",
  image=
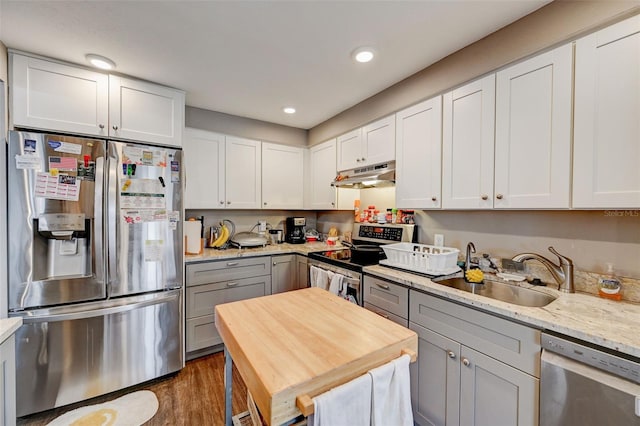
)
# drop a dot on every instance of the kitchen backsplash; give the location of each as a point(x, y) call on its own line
point(245, 220)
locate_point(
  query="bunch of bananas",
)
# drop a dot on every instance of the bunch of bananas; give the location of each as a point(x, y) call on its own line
point(474, 275)
point(223, 237)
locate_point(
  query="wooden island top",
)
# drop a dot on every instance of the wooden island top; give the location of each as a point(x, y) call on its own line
point(304, 342)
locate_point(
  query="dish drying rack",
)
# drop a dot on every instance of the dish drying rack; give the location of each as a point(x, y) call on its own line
point(423, 258)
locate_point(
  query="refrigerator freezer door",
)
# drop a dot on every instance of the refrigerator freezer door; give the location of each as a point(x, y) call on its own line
point(144, 229)
point(55, 188)
point(69, 354)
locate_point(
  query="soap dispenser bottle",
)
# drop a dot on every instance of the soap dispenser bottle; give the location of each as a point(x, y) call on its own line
point(609, 286)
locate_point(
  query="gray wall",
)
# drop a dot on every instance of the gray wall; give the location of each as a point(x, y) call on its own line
point(557, 22)
point(244, 127)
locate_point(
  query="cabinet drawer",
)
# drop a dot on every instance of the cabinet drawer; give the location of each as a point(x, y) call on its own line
point(228, 269)
point(504, 340)
point(391, 297)
point(202, 333)
point(202, 299)
point(386, 314)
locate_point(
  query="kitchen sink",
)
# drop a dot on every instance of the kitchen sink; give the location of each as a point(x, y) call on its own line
point(500, 291)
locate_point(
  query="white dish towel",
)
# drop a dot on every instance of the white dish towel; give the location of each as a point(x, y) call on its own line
point(346, 405)
point(391, 394)
point(318, 277)
point(335, 286)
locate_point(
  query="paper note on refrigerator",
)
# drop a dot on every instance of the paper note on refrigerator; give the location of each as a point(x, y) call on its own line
point(58, 187)
point(153, 250)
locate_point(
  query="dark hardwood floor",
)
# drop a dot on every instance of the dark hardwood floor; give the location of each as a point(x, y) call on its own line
point(194, 396)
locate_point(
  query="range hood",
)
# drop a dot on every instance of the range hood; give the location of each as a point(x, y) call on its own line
point(375, 176)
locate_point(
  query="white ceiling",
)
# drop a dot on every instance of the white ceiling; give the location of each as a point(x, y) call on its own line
point(251, 58)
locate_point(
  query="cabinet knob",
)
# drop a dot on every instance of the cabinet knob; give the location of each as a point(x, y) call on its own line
point(466, 362)
point(232, 284)
point(265, 203)
point(364, 159)
point(333, 204)
point(228, 202)
point(101, 126)
point(221, 202)
point(499, 196)
point(434, 198)
point(485, 197)
point(358, 160)
point(115, 127)
point(451, 354)
point(274, 263)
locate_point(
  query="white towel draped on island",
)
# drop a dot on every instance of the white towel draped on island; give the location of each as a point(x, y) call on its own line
point(382, 397)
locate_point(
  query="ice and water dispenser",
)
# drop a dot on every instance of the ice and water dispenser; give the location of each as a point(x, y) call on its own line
point(64, 240)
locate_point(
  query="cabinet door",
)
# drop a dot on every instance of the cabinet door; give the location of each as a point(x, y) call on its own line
point(467, 145)
point(349, 148)
point(243, 173)
point(52, 96)
point(204, 160)
point(282, 177)
point(493, 393)
point(607, 107)
point(435, 380)
point(303, 271)
point(145, 112)
point(418, 155)
point(8, 382)
point(323, 171)
point(533, 132)
point(379, 141)
point(284, 273)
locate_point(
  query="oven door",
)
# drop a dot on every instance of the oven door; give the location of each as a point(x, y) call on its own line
point(351, 278)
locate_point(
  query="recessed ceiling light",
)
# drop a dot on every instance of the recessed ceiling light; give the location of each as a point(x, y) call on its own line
point(363, 54)
point(289, 110)
point(100, 61)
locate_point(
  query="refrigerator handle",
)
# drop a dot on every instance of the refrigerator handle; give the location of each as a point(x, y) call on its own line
point(112, 213)
point(99, 220)
point(116, 308)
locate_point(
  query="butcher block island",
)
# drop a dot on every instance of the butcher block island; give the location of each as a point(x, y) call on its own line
point(293, 346)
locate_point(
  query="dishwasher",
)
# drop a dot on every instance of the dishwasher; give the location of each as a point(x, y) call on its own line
point(582, 384)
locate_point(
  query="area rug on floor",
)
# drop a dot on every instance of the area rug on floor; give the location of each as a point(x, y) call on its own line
point(130, 410)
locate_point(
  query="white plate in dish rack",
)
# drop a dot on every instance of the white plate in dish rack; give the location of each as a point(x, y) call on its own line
point(447, 271)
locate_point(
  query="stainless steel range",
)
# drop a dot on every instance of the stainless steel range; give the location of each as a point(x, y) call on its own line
point(365, 250)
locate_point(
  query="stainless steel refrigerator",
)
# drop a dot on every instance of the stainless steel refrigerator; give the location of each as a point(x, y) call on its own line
point(95, 265)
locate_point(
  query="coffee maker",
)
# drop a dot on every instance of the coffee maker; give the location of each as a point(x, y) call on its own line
point(294, 230)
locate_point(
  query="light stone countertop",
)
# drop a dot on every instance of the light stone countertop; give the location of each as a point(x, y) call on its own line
point(268, 250)
point(8, 326)
point(611, 324)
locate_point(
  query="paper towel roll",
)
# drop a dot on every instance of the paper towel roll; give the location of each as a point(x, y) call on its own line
point(192, 232)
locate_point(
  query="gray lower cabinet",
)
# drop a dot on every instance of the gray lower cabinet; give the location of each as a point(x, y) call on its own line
point(211, 283)
point(387, 299)
point(8, 381)
point(303, 271)
point(284, 273)
point(473, 368)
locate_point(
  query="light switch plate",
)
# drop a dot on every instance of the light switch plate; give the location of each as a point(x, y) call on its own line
point(438, 240)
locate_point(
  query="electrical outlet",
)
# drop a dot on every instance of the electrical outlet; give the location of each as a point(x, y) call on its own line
point(262, 226)
point(438, 240)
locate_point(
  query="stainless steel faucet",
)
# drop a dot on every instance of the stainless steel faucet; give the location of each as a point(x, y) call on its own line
point(562, 273)
point(471, 248)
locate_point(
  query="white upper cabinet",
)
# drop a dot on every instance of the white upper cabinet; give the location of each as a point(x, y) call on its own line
point(243, 173)
point(52, 96)
point(371, 144)
point(322, 164)
point(418, 155)
point(467, 145)
point(49, 95)
point(282, 176)
point(204, 160)
point(533, 132)
point(606, 171)
point(146, 112)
